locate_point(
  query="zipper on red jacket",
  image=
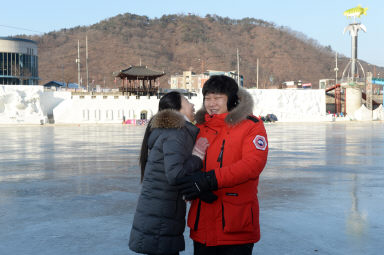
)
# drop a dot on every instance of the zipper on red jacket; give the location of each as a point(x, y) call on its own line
point(222, 215)
point(220, 158)
point(197, 216)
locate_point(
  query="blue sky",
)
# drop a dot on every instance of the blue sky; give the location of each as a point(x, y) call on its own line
point(322, 21)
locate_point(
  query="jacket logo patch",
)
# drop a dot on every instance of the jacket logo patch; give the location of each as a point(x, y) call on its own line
point(260, 142)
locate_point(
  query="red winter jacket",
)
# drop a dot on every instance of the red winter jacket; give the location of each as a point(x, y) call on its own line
point(237, 152)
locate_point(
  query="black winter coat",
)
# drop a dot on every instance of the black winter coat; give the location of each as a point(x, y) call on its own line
point(159, 221)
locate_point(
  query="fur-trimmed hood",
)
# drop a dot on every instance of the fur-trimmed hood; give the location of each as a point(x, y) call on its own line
point(168, 119)
point(236, 115)
point(170, 122)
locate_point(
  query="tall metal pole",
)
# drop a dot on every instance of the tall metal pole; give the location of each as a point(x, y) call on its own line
point(238, 68)
point(86, 60)
point(353, 31)
point(62, 73)
point(336, 69)
point(257, 73)
point(354, 56)
point(78, 62)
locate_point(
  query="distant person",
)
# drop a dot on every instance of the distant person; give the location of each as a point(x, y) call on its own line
point(167, 154)
point(237, 154)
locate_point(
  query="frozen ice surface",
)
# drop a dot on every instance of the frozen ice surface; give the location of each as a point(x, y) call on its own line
point(322, 191)
point(73, 189)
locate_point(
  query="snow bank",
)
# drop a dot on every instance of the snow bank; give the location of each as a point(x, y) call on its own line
point(21, 104)
point(32, 105)
point(286, 105)
point(291, 105)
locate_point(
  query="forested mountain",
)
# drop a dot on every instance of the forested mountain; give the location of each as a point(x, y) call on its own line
point(174, 43)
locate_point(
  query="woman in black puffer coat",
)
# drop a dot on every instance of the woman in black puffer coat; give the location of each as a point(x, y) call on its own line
point(166, 155)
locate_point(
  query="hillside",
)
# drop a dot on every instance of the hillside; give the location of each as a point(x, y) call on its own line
point(174, 43)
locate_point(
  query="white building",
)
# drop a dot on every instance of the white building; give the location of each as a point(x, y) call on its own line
point(193, 82)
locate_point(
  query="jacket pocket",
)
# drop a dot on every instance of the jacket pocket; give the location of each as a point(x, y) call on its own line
point(237, 217)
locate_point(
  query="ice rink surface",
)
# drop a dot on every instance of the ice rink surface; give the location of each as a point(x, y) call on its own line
point(72, 189)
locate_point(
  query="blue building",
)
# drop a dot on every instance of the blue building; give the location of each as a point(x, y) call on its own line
point(18, 61)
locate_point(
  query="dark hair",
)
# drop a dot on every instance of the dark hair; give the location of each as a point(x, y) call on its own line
point(171, 100)
point(222, 84)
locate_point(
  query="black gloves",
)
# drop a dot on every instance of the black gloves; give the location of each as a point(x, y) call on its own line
point(200, 185)
point(208, 197)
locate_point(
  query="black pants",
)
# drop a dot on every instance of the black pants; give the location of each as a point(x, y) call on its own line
point(237, 249)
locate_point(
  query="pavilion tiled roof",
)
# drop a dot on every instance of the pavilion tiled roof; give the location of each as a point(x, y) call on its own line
point(139, 73)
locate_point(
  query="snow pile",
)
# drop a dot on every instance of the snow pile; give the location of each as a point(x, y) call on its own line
point(291, 105)
point(363, 114)
point(378, 113)
point(20, 104)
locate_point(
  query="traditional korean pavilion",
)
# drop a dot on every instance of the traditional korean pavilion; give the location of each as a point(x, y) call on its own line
point(139, 80)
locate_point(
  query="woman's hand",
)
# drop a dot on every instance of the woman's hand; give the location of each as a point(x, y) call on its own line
point(200, 147)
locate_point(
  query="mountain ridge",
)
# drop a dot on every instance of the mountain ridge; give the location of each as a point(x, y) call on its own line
point(175, 43)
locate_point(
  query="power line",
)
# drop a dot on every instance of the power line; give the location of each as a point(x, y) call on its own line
point(20, 28)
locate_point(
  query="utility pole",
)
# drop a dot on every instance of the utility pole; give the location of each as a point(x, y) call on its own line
point(257, 73)
point(86, 61)
point(336, 69)
point(62, 73)
point(78, 62)
point(238, 68)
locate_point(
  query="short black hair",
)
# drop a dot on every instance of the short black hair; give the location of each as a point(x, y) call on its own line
point(222, 84)
point(171, 100)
